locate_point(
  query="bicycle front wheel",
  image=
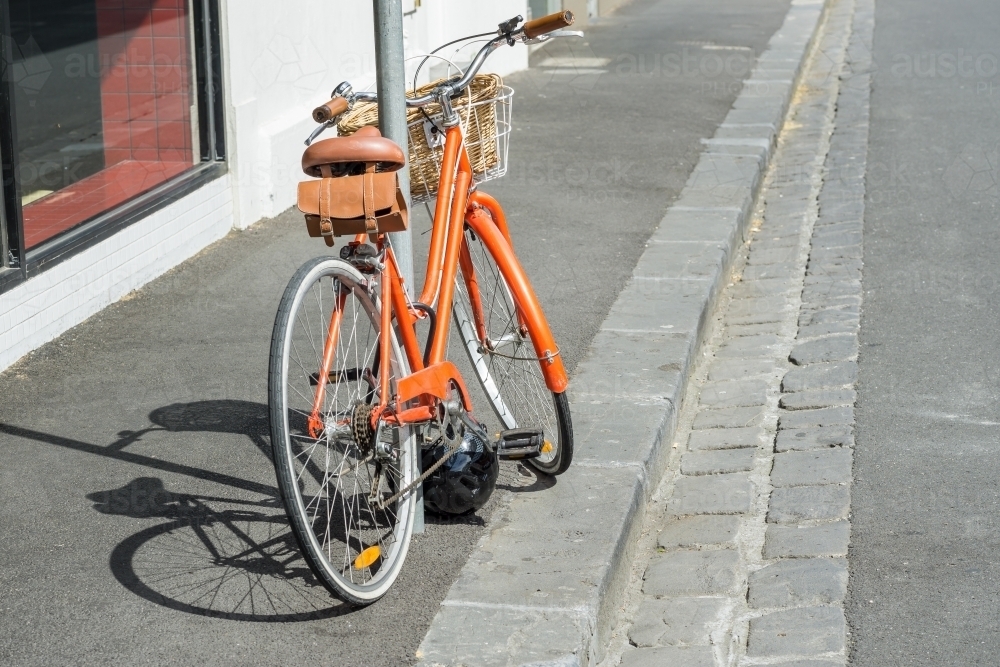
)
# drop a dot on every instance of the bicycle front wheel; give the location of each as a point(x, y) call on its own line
point(338, 481)
point(504, 358)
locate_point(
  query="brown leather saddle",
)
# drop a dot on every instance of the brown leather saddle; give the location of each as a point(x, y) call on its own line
point(357, 190)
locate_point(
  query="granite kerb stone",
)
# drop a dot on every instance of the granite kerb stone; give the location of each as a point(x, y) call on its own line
point(663, 306)
point(817, 398)
point(798, 582)
point(836, 416)
point(738, 150)
point(718, 461)
point(711, 494)
point(635, 366)
point(726, 438)
point(605, 435)
point(719, 225)
point(797, 504)
point(822, 466)
point(675, 656)
point(699, 531)
point(676, 621)
point(809, 438)
point(694, 573)
point(798, 632)
point(666, 260)
point(804, 541)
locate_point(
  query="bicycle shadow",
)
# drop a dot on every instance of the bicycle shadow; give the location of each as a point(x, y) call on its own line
point(220, 556)
point(217, 416)
point(212, 556)
point(215, 556)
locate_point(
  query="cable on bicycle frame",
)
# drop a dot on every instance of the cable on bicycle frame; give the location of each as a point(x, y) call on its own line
point(549, 357)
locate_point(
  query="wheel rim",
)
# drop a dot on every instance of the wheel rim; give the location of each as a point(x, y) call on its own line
point(506, 365)
point(336, 485)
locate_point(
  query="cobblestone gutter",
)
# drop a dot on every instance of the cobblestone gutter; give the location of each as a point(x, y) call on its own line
point(743, 558)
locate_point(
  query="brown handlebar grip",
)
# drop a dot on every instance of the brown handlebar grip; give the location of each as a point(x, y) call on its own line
point(545, 24)
point(331, 109)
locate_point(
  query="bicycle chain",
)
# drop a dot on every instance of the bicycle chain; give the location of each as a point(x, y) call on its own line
point(361, 426)
point(420, 480)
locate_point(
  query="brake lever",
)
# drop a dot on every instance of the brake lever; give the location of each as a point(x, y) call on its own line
point(509, 26)
point(561, 32)
point(319, 130)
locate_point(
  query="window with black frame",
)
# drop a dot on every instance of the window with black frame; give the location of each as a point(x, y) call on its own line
point(106, 101)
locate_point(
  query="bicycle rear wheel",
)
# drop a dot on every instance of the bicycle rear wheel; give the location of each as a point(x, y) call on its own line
point(505, 361)
point(335, 479)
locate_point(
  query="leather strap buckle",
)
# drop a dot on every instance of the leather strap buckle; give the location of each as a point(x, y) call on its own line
point(371, 224)
point(325, 218)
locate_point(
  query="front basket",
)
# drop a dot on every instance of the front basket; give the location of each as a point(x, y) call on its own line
point(485, 121)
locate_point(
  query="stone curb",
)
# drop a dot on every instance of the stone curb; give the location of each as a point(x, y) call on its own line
point(546, 582)
point(755, 527)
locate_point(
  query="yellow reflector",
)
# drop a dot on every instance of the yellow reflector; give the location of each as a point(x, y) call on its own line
point(367, 557)
point(546, 447)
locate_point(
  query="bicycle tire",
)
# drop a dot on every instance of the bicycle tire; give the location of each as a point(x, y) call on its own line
point(508, 369)
point(335, 518)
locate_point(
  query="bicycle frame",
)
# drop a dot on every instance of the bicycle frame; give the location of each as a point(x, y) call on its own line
point(438, 377)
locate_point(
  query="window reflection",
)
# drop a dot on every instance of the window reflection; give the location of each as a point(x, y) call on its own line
point(104, 105)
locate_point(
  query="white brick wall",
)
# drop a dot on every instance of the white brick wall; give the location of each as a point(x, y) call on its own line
point(51, 302)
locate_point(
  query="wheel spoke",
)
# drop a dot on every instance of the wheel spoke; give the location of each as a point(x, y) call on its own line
point(507, 365)
point(329, 480)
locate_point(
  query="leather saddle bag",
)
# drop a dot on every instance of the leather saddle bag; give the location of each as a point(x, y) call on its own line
point(369, 203)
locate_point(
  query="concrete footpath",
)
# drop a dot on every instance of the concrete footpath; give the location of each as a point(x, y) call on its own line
point(547, 582)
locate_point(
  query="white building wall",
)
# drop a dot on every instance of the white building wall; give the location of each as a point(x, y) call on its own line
point(283, 59)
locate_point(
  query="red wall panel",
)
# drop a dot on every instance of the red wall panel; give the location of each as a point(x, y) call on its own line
point(146, 80)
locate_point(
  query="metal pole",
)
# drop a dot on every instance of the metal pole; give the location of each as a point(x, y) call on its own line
point(391, 82)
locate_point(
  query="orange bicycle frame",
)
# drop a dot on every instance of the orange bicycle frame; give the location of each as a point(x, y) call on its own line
point(438, 377)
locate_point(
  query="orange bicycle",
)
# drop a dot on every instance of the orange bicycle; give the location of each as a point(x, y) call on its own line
point(360, 414)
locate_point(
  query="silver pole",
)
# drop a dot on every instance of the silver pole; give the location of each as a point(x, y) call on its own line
point(391, 82)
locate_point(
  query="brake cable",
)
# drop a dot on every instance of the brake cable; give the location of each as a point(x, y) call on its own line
point(454, 41)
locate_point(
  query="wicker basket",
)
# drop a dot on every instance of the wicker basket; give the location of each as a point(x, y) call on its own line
point(486, 128)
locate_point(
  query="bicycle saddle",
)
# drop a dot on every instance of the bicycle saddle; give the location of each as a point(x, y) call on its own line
point(367, 145)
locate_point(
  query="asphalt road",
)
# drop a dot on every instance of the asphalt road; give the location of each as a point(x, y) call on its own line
point(137, 501)
point(925, 565)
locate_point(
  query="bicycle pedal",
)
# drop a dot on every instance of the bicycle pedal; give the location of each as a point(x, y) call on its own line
point(520, 443)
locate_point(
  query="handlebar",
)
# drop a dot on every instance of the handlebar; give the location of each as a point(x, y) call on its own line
point(534, 31)
point(538, 28)
point(546, 24)
point(330, 110)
